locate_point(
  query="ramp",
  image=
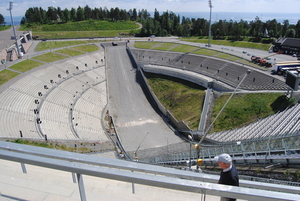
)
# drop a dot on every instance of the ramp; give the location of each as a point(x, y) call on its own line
point(133, 115)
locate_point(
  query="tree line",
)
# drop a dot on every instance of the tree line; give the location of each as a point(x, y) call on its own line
point(167, 23)
point(54, 15)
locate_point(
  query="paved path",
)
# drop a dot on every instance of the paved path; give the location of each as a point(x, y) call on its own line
point(5, 37)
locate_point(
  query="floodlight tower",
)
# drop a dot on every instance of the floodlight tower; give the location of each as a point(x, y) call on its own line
point(12, 23)
point(209, 31)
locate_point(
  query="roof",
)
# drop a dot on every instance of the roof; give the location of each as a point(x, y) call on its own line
point(292, 42)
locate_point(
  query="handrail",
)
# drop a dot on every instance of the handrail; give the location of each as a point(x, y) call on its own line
point(75, 162)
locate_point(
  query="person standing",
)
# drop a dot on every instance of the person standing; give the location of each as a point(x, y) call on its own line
point(229, 174)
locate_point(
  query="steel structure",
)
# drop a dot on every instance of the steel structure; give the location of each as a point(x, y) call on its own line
point(265, 153)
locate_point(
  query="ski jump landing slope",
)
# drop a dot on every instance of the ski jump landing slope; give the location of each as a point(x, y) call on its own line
point(133, 115)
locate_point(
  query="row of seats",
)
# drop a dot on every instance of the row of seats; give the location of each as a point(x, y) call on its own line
point(280, 124)
point(14, 124)
point(49, 95)
point(228, 72)
point(72, 90)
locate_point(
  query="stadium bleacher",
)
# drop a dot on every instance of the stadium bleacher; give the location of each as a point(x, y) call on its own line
point(223, 70)
point(63, 95)
point(281, 124)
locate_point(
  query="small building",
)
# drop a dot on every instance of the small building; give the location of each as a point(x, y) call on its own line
point(287, 45)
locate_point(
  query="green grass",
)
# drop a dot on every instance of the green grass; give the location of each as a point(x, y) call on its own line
point(6, 75)
point(69, 52)
point(175, 47)
point(26, 65)
point(145, 45)
point(164, 46)
point(184, 99)
point(86, 48)
point(83, 29)
point(183, 48)
point(244, 109)
point(57, 44)
point(90, 25)
point(228, 57)
point(77, 34)
point(3, 27)
point(53, 146)
point(207, 52)
point(49, 57)
point(245, 44)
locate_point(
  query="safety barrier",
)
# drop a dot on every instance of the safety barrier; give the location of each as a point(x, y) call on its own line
point(133, 172)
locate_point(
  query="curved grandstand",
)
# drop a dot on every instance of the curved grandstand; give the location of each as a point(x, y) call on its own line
point(221, 70)
point(62, 101)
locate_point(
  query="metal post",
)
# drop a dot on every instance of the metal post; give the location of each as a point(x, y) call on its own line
point(74, 177)
point(190, 157)
point(191, 140)
point(23, 168)
point(209, 31)
point(133, 188)
point(81, 187)
point(13, 26)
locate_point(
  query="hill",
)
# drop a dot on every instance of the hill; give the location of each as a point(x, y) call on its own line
point(82, 29)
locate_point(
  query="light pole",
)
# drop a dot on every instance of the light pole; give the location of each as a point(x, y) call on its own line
point(191, 140)
point(13, 26)
point(209, 31)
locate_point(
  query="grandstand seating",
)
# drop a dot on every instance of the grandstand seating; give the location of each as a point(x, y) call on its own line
point(64, 95)
point(285, 123)
point(223, 70)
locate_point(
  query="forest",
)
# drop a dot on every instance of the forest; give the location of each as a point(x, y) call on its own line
point(165, 24)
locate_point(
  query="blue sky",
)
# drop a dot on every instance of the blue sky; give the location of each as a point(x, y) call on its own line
point(262, 6)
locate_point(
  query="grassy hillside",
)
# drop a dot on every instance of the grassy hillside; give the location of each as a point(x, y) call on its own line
point(185, 100)
point(82, 26)
point(244, 109)
point(245, 44)
point(82, 29)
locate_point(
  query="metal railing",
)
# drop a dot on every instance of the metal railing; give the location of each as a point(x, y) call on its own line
point(139, 173)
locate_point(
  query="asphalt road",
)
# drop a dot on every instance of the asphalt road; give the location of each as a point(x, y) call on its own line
point(5, 37)
point(134, 116)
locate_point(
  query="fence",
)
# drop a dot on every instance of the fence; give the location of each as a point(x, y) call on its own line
point(138, 173)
